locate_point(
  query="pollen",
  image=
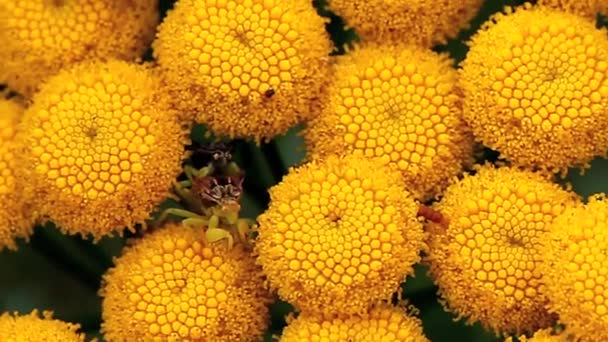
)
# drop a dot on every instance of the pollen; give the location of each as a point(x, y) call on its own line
point(401, 106)
point(15, 222)
point(383, 323)
point(535, 83)
point(575, 269)
point(171, 286)
point(247, 68)
point(39, 38)
point(339, 235)
point(486, 262)
point(102, 147)
point(33, 328)
point(418, 22)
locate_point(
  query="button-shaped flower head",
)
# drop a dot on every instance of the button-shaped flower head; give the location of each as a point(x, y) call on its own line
point(401, 105)
point(247, 68)
point(535, 82)
point(35, 328)
point(172, 286)
point(40, 37)
point(15, 221)
point(419, 22)
point(339, 235)
point(101, 147)
point(382, 323)
point(585, 8)
point(575, 269)
point(486, 261)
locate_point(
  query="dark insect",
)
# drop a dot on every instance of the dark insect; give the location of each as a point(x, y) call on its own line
point(432, 215)
point(269, 93)
point(223, 191)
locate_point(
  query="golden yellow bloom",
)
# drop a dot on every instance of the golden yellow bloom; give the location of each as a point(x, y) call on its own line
point(486, 261)
point(536, 87)
point(544, 335)
point(15, 221)
point(102, 147)
point(171, 286)
point(339, 235)
point(401, 105)
point(40, 37)
point(383, 323)
point(585, 8)
point(575, 269)
point(34, 328)
point(247, 68)
point(420, 22)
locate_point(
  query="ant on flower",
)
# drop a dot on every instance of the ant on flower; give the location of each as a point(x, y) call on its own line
point(212, 195)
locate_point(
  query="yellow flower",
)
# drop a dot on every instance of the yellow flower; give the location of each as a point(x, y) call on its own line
point(585, 8)
point(15, 221)
point(420, 22)
point(383, 323)
point(33, 328)
point(40, 37)
point(401, 105)
point(544, 335)
point(102, 147)
point(171, 286)
point(339, 235)
point(536, 87)
point(486, 261)
point(247, 68)
point(576, 268)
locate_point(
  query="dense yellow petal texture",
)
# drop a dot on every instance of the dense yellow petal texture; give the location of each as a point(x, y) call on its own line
point(339, 235)
point(420, 22)
point(383, 323)
point(172, 286)
point(247, 68)
point(585, 8)
point(536, 87)
point(544, 335)
point(401, 105)
point(15, 221)
point(486, 262)
point(40, 37)
point(101, 147)
point(576, 268)
point(36, 328)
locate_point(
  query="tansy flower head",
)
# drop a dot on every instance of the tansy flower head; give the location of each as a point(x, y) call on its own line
point(101, 147)
point(339, 235)
point(383, 323)
point(575, 269)
point(400, 105)
point(536, 87)
point(34, 328)
point(486, 260)
point(420, 22)
point(585, 8)
point(40, 37)
point(544, 335)
point(170, 286)
point(14, 219)
point(247, 68)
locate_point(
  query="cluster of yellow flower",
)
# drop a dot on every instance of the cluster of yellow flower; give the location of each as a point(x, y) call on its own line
point(95, 141)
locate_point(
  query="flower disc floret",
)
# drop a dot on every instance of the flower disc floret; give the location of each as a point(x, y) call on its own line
point(419, 22)
point(101, 147)
point(535, 83)
point(39, 38)
point(247, 68)
point(15, 220)
point(383, 323)
point(398, 104)
point(486, 261)
point(584, 8)
point(172, 286)
point(575, 269)
point(339, 235)
point(545, 335)
point(33, 327)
